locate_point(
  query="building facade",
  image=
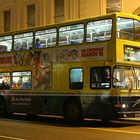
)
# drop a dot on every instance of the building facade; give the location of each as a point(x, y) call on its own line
point(22, 14)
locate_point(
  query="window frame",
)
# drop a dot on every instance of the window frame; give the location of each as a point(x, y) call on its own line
point(76, 85)
point(111, 33)
point(12, 81)
point(73, 24)
point(7, 87)
point(2, 40)
point(134, 28)
point(44, 29)
point(125, 84)
point(109, 82)
point(20, 48)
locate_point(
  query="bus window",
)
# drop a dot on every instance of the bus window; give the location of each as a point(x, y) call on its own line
point(45, 38)
point(137, 30)
point(137, 72)
point(76, 78)
point(100, 77)
point(124, 78)
point(21, 80)
point(99, 30)
point(73, 34)
point(6, 44)
point(23, 41)
point(131, 53)
point(125, 28)
point(4, 80)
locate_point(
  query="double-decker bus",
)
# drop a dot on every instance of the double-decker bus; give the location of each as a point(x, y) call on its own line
point(88, 68)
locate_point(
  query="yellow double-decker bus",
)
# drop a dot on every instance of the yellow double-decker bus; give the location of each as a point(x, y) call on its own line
point(88, 68)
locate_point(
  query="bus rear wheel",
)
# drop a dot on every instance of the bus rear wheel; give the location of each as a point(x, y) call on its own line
point(72, 111)
point(2, 107)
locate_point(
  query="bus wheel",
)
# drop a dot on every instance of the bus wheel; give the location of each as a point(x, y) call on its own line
point(2, 107)
point(72, 111)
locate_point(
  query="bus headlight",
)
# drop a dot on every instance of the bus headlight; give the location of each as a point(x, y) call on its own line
point(124, 106)
point(119, 106)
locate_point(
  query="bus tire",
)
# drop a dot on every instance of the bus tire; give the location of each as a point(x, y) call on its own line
point(2, 107)
point(72, 111)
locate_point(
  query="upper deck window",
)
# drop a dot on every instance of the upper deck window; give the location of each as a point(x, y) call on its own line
point(5, 44)
point(99, 30)
point(73, 34)
point(128, 29)
point(23, 41)
point(45, 38)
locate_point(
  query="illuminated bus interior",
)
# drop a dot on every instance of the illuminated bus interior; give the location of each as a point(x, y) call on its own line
point(82, 68)
point(128, 29)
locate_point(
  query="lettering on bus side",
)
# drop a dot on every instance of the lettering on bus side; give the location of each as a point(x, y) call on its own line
point(6, 60)
point(92, 52)
point(98, 52)
point(20, 100)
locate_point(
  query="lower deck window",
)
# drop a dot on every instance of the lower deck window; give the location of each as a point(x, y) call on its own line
point(21, 80)
point(4, 80)
point(100, 77)
point(76, 78)
point(126, 77)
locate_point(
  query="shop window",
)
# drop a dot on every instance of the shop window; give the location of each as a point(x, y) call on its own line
point(76, 78)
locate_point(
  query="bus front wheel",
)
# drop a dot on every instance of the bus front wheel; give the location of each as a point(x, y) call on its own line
point(72, 111)
point(2, 107)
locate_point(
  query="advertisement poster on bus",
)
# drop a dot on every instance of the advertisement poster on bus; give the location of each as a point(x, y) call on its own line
point(6, 60)
point(93, 52)
point(17, 58)
point(85, 53)
point(66, 54)
point(42, 70)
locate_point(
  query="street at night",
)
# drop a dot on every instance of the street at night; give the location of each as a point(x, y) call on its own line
point(18, 127)
point(69, 69)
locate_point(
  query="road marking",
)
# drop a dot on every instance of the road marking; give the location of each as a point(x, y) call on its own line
point(118, 131)
point(11, 138)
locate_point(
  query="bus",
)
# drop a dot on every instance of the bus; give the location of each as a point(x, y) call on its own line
point(87, 68)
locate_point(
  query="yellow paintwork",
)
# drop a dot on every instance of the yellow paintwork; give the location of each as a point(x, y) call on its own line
point(60, 71)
